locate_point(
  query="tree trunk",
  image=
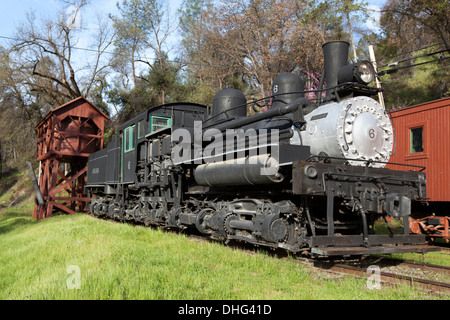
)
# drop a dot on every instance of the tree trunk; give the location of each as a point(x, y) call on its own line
point(355, 58)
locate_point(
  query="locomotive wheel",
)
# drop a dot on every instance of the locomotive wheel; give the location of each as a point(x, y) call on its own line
point(111, 209)
point(103, 209)
point(200, 218)
point(174, 220)
point(226, 224)
point(279, 230)
point(136, 213)
point(275, 229)
point(94, 208)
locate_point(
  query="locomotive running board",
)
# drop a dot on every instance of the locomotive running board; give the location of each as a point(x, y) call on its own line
point(350, 251)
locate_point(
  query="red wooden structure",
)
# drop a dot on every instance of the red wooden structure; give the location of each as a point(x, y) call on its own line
point(423, 139)
point(66, 138)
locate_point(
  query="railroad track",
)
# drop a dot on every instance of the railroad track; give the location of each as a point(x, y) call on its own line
point(392, 278)
point(359, 267)
point(384, 261)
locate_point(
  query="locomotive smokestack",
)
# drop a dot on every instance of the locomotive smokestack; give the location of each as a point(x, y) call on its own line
point(335, 55)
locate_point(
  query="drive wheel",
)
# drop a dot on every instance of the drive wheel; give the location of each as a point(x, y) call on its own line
point(200, 220)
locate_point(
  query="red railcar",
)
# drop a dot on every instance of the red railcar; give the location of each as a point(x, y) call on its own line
point(423, 139)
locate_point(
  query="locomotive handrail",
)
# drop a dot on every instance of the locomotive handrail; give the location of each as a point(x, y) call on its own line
point(289, 108)
point(368, 162)
point(359, 86)
point(367, 177)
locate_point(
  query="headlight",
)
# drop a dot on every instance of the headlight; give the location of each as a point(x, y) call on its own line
point(311, 171)
point(365, 72)
point(361, 72)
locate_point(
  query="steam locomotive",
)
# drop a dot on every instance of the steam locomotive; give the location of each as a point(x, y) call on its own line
point(306, 177)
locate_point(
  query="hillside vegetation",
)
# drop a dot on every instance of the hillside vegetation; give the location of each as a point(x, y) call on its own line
point(414, 85)
point(16, 191)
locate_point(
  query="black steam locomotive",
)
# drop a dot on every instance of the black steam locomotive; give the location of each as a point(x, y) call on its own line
point(306, 177)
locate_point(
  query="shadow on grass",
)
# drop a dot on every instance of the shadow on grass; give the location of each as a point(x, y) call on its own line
point(9, 221)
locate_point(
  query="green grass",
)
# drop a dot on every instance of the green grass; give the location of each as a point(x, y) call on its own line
point(121, 261)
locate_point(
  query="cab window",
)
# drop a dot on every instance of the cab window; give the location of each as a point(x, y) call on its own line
point(141, 129)
point(128, 139)
point(159, 122)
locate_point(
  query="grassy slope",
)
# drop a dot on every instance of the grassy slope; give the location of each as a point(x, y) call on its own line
point(121, 261)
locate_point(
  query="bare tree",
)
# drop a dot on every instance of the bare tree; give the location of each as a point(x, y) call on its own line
point(46, 55)
point(258, 39)
point(42, 69)
point(431, 16)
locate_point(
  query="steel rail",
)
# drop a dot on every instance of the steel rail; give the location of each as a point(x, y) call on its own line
point(386, 277)
point(410, 264)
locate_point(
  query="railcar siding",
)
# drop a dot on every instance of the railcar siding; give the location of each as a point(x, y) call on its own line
point(434, 118)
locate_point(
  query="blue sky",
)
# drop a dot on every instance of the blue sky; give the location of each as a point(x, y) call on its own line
point(12, 12)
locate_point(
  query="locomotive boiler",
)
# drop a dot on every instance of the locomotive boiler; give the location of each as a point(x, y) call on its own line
point(303, 176)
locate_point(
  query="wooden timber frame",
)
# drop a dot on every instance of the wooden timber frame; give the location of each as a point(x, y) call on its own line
point(66, 138)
